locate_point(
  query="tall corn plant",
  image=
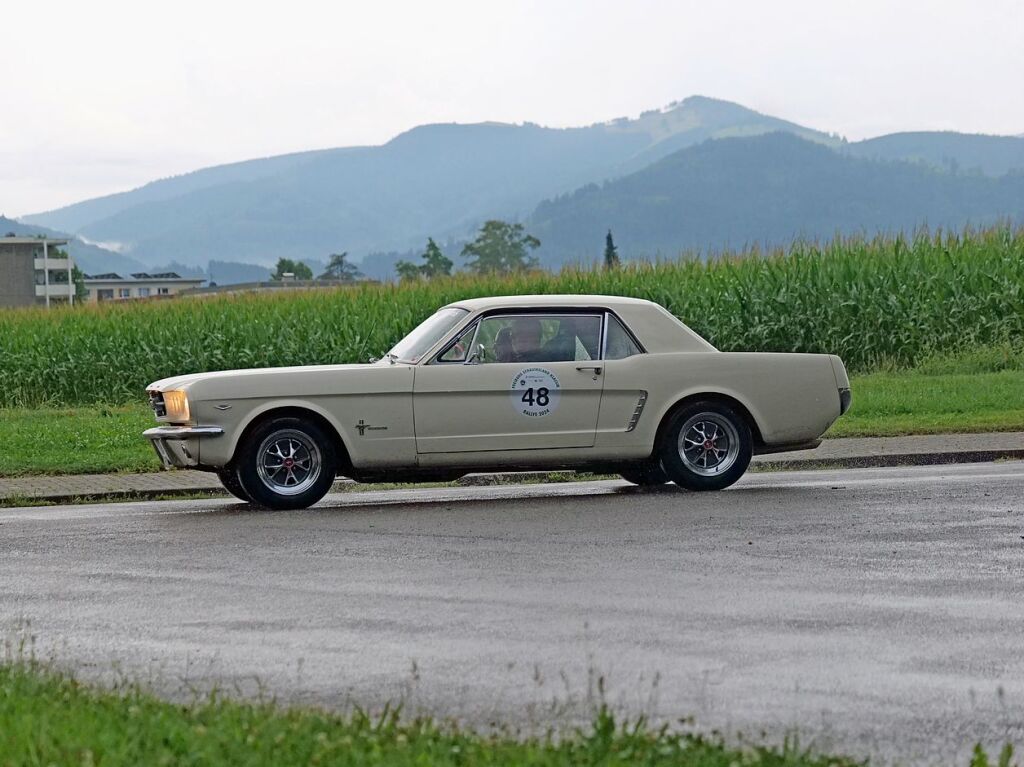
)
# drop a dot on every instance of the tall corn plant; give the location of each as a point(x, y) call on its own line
point(887, 301)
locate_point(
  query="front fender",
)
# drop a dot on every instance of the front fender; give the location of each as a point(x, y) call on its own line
point(390, 443)
point(231, 444)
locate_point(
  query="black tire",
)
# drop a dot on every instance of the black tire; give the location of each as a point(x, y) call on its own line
point(725, 430)
point(649, 474)
point(229, 479)
point(313, 463)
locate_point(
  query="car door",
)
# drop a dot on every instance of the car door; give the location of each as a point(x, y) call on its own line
point(512, 382)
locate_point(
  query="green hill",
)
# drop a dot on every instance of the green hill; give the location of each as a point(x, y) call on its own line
point(652, 179)
point(435, 180)
point(769, 189)
point(73, 218)
point(955, 152)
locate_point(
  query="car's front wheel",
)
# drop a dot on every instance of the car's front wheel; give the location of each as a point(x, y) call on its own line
point(706, 446)
point(287, 463)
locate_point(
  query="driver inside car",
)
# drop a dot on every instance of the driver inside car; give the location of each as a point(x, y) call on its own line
point(525, 338)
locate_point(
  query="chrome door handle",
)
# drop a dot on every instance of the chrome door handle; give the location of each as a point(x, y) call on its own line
point(595, 368)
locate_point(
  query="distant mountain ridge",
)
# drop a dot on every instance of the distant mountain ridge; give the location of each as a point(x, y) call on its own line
point(74, 217)
point(769, 189)
point(435, 180)
point(443, 180)
point(957, 152)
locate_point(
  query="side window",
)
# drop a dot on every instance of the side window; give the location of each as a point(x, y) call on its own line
point(539, 338)
point(459, 350)
point(620, 344)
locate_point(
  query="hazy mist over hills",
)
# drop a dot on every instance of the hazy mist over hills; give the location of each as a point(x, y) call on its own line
point(89, 258)
point(700, 173)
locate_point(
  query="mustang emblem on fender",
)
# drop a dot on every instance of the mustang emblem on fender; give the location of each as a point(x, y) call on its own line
point(363, 427)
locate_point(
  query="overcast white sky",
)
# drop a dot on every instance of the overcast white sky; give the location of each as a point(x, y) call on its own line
point(103, 96)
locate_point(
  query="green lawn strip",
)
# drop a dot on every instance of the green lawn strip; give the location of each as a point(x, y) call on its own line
point(890, 404)
point(49, 718)
point(108, 439)
point(78, 440)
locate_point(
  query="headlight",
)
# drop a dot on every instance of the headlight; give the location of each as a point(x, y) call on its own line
point(176, 403)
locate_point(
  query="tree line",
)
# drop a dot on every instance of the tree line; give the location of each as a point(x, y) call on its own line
point(499, 247)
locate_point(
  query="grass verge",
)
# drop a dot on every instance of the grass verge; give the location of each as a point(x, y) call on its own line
point(49, 718)
point(926, 401)
point(25, 502)
point(77, 440)
point(893, 404)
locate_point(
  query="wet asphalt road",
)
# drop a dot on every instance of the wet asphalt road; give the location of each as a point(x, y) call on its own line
point(877, 611)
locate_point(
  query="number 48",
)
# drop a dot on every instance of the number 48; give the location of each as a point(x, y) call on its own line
point(540, 398)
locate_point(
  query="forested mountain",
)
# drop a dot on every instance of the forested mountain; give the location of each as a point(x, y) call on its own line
point(698, 174)
point(73, 218)
point(956, 152)
point(435, 180)
point(765, 189)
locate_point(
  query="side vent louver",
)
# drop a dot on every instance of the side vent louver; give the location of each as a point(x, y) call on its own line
point(637, 411)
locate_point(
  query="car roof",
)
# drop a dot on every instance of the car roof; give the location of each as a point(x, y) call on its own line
point(655, 327)
point(547, 301)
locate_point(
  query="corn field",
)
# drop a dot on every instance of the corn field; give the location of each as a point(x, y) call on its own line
point(881, 302)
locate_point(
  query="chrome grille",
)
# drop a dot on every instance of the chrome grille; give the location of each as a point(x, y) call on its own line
point(156, 401)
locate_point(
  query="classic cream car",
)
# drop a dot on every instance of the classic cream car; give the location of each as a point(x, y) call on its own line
point(527, 382)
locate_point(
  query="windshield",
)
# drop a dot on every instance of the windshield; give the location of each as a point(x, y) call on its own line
point(427, 333)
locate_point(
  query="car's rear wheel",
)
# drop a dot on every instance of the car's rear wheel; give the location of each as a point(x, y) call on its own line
point(287, 463)
point(229, 478)
point(706, 446)
point(647, 474)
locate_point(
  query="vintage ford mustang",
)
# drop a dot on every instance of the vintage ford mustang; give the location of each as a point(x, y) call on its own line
point(526, 382)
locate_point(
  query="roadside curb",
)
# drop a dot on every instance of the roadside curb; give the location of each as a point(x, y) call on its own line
point(763, 463)
point(212, 489)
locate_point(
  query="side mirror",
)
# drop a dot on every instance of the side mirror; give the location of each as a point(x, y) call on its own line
point(479, 355)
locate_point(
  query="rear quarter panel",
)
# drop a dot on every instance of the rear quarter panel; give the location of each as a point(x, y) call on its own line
point(791, 397)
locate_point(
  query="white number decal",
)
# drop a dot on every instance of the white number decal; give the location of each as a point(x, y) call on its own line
point(541, 399)
point(535, 392)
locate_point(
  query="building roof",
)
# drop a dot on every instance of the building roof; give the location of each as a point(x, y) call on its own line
point(17, 240)
point(276, 285)
point(142, 277)
point(163, 276)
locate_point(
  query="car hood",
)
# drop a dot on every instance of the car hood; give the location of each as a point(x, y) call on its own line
point(259, 376)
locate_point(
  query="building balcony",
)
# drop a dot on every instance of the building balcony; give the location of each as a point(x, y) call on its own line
point(56, 290)
point(55, 264)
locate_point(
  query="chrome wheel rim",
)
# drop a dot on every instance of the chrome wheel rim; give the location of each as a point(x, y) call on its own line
point(708, 444)
point(288, 462)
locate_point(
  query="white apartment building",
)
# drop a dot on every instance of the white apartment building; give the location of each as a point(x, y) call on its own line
point(30, 274)
point(113, 287)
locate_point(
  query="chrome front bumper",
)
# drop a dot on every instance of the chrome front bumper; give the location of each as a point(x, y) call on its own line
point(845, 400)
point(178, 446)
